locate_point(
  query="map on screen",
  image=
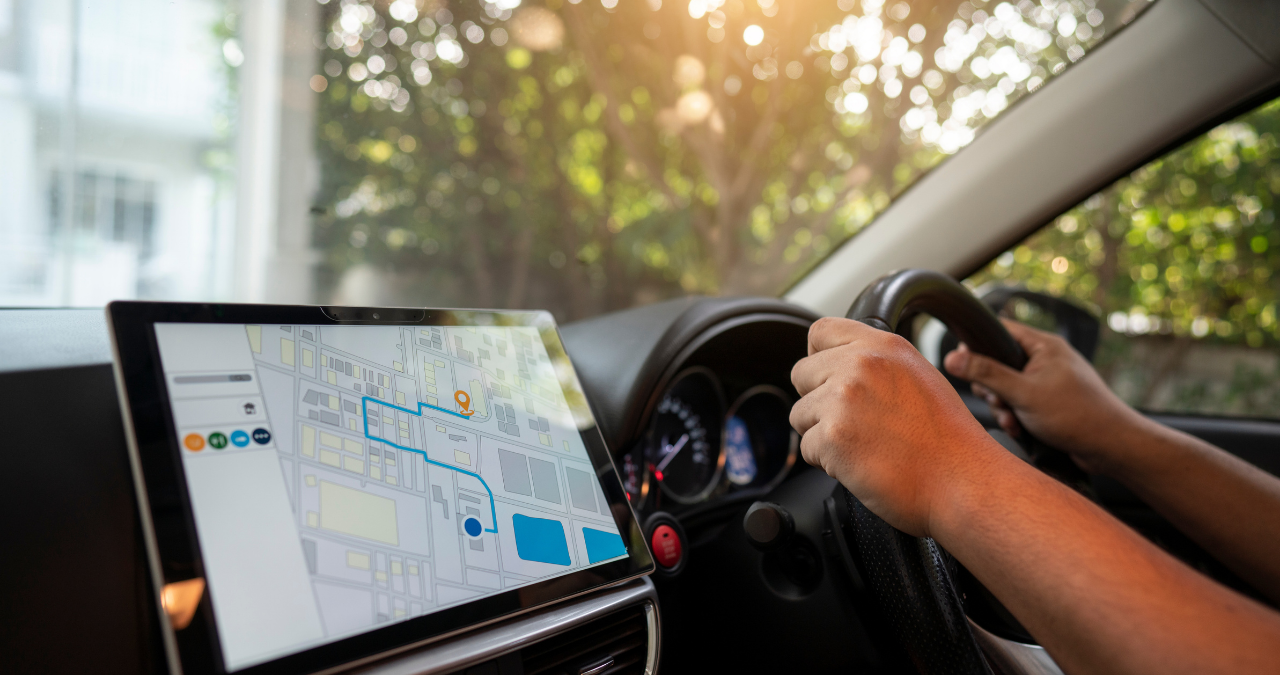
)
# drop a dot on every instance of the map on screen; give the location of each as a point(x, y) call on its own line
point(346, 477)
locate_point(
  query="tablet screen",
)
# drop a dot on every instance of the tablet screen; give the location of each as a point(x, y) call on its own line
point(343, 478)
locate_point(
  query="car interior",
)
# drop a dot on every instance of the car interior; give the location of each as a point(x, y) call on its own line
point(762, 563)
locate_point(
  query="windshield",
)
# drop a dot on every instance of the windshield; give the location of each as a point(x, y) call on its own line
point(578, 156)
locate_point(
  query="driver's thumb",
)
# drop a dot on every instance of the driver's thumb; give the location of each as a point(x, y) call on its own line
point(992, 374)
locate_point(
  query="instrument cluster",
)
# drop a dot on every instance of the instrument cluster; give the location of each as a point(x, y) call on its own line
point(698, 446)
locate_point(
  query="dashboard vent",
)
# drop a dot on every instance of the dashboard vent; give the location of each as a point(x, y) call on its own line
point(614, 644)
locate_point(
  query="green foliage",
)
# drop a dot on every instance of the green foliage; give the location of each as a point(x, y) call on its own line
point(1180, 252)
point(587, 157)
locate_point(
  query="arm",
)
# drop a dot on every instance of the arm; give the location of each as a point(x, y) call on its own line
point(881, 420)
point(1228, 506)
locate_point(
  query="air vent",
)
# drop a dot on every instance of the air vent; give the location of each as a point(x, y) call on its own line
point(614, 644)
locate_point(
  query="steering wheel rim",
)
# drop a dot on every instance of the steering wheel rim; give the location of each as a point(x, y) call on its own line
point(913, 579)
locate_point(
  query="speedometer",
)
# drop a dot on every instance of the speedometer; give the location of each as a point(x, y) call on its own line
point(683, 443)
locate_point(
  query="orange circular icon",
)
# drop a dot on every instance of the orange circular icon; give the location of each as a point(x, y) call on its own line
point(194, 442)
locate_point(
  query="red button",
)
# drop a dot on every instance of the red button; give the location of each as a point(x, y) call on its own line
point(666, 546)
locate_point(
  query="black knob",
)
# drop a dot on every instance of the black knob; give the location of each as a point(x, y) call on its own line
point(768, 525)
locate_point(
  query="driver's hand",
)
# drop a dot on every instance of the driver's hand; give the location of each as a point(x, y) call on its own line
point(1058, 396)
point(879, 418)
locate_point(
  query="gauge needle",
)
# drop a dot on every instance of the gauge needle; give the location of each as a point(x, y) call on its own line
point(671, 451)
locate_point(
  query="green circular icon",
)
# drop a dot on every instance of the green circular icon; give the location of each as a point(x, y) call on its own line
point(218, 440)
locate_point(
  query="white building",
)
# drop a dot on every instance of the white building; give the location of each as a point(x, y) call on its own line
point(175, 132)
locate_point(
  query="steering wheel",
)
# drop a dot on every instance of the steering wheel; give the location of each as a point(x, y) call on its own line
point(913, 580)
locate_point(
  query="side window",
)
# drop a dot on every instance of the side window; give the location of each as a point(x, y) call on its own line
point(1179, 259)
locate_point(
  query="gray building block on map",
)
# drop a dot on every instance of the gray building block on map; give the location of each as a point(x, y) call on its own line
point(580, 490)
point(544, 425)
point(330, 418)
point(437, 496)
point(312, 397)
point(350, 406)
point(476, 545)
point(546, 486)
point(309, 551)
point(455, 437)
point(313, 415)
point(515, 473)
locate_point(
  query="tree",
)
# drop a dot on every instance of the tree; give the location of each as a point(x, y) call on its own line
point(586, 157)
point(1179, 253)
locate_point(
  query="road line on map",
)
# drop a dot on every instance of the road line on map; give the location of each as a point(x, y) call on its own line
point(365, 411)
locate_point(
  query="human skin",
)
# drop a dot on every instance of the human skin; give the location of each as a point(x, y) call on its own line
point(1228, 506)
point(876, 416)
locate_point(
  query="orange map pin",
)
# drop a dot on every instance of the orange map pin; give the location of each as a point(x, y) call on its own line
point(464, 402)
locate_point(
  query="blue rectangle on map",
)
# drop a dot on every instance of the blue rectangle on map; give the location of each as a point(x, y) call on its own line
point(602, 545)
point(540, 540)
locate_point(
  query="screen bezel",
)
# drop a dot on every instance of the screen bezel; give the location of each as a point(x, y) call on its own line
point(169, 523)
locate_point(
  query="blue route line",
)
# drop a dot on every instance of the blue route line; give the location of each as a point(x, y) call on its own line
point(492, 509)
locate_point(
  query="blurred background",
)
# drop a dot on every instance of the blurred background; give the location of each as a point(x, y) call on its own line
point(585, 156)
point(581, 157)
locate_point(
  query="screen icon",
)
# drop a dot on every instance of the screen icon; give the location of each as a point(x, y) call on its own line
point(239, 438)
point(218, 440)
point(261, 436)
point(194, 442)
point(464, 402)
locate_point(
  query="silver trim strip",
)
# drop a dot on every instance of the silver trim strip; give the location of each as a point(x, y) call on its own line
point(508, 636)
point(1014, 658)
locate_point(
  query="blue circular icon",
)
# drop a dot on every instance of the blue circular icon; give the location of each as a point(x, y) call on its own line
point(472, 527)
point(239, 438)
point(261, 436)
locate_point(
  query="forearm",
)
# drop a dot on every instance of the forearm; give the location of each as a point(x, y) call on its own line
point(1223, 503)
point(1101, 598)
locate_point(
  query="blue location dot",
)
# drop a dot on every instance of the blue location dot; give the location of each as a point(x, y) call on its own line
point(472, 527)
point(261, 436)
point(239, 438)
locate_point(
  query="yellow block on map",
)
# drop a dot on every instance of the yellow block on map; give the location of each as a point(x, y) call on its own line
point(255, 338)
point(313, 519)
point(286, 351)
point(331, 377)
point(461, 457)
point(375, 472)
point(355, 372)
point(396, 567)
point(400, 398)
point(353, 465)
point(545, 439)
point(355, 447)
point(308, 441)
point(331, 440)
point(360, 514)
point(351, 424)
point(398, 366)
point(311, 480)
point(357, 560)
point(477, 399)
point(308, 358)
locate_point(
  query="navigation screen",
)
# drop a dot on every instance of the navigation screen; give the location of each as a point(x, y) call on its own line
point(344, 478)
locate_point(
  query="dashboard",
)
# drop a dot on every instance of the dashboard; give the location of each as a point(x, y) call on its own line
point(706, 421)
